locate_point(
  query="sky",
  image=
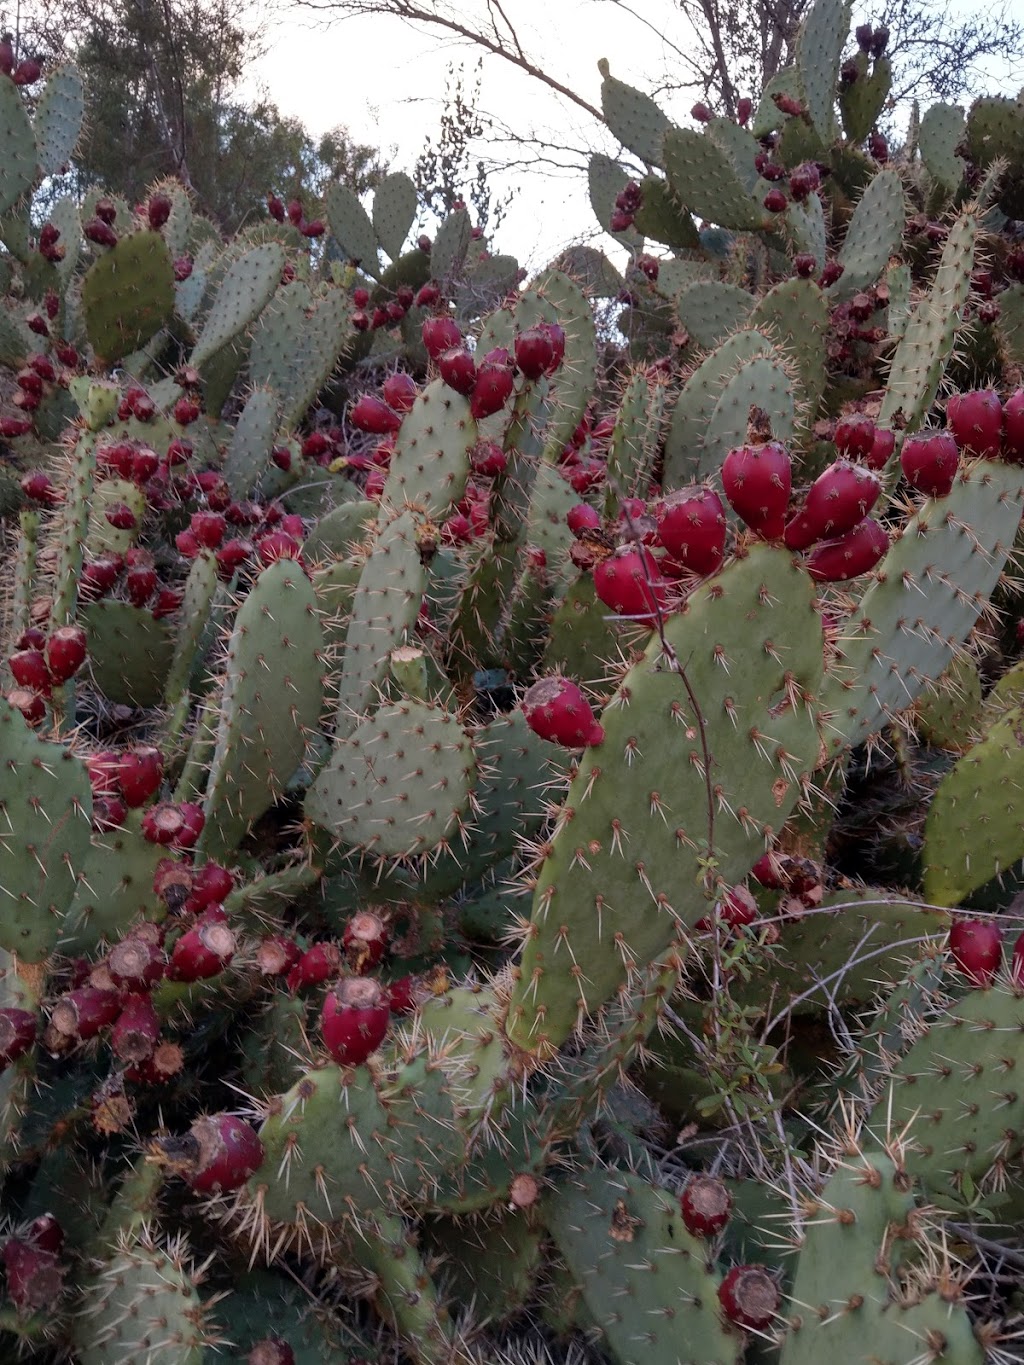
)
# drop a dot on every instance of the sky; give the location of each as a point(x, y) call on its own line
point(385, 81)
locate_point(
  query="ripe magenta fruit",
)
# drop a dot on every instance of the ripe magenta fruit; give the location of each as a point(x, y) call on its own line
point(849, 555)
point(354, 1019)
point(977, 949)
point(929, 461)
point(705, 1205)
point(881, 449)
point(365, 940)
point(271, 1351)
point(692, 528)
point(749, 1297)
point(136, 1030)
point(136, 962)
point(30, 704)
point(492, 389)
point(582, 517)
point(534, 351)
point(738, 907)
point(34, 1276)
point(440, 334)
point(319, 963)
point(372, 414)
point(854, 436)
point(840, 497)
point(17, 1034)
point(976, 421)
point(458, 369)
point(277, 955)
point(225, 1151)
point(211, 885)
point(65, 652)
point(203, 951)
point(630, 583)
point(757, 481)
point(28, 668)
point(46, 1233)
point(84, 1012)
point(1016, 964)
point(557, 710)
point(139, 774)
point(399, 391)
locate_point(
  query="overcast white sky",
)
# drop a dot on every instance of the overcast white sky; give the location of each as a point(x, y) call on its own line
point(386, 80)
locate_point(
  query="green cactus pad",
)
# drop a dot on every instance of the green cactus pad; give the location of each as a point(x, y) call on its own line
point(394, 208)
point(128, 295)
point(58, 118)
point(605, 180)
point(633, 117)
point(767, 118)
point(249, 452)
point(819, 47)
point(430, 464)
point(114, 888)
point(662, 219)
point(46, 807)
point(448, 254)
point(873, 235)
point(297, 344)
point(923, 352)
point(1011, 322)
point(705, 178)
point(942, 131)
point(141, 1308)
point(129, 651)
point(710, 310)
point(623, 874)
point(928, 594)
point(245, 289)
point(352, 229)
point(649, 1285)
point(101, 534)
point(399, 784)
point(795, 314)
point(861, 103)
point(761, 383)
point(995, 130)
point(270, 705)
point(951, 715)
point(19, 169)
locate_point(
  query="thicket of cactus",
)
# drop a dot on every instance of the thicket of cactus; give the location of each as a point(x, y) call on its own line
point(510, 840)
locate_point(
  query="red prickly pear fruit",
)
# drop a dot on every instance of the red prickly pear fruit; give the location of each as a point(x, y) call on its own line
point(805, 265)
point(108, 813)
point(315, 445)
point(427, 296)
point(65, 652)
point(106, 210)
point(232, 554)
point(278, 545)
point(17, 1034)
point(832, 272)
point(145, 462)
point(1016, 966)
point(881, 449)
point(34, 1277)
point(929, 462)
point(620, 221)
point(204, 951)
point(294, 211)
point(139, 773)
point(649, 266)
point(209, 528)
point(404, 295)
point(854, 436)
point(167, 603)
point(457, 530)
point(849, 555)
point(27, 72)
point(30, 704)
point(766, 872)
point(158, 210)
point(692, 528)
point(46, 1233)
point(39, 487)
point(705, 1205)
point(400, 391)
point(402, 995)
point(1013, 428)
point(275, 207)
point(556, 333)
point(775, 201)
point(365, 941)
point(630, 583)
point(187, 544)
point(163, 823)
point(804, 181)
point(701, 113)
point(271, 1351)
point(749, 1297)
point(581, 518)
point(492, 389)
point(185, 411)
point(43, 367)
point(586, 475)
point(458, 369)
point(35, 322)
point(95, 230)
point(182, 268)
point(227, 1151)
point(758, 481)
point(30, 638)
point(440, 334)
point(379, 318)
point(12, 427)
point(534, 352)
point(557, 710)
point(424, 243)
point(98, 576)
point(976, 421)
point(744, 108)
point(121, 516)
point(140, 583)
point(354, 1019)
point(374, 486)
point(488, 460)
point(28, 668)
point(66, 354)
point(117, 457)
point(211, 885)
point(84, 1012)
point(837, 500)
point(316, 228)
point(136, 1030)
point(136, 962)
point(166, 1060)
point(372, 414)
point(976, 946)
point(738, 907)
point(319, 963)
point(277, 955)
